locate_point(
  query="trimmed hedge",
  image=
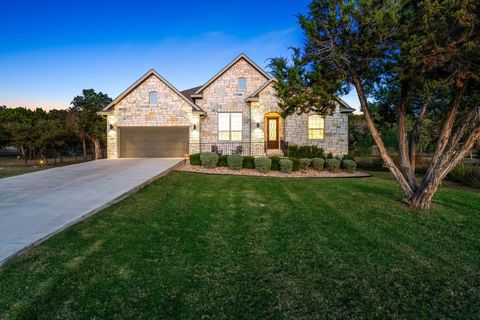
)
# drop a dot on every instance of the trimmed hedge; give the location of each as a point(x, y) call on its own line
point(296, 164)
point(349, 165)
point(209, 159)
point(222, 161)
point(195, 159)
point(275, 163)
point(333, 165)
point(235, 161)
point(248, 162)
point(305, 151)
point(263, 164)
point(305, 163)
point(318, 163)
point(469, 176)
point(286, 165)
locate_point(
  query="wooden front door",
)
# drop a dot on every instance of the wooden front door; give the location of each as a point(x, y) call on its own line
point(273, 141)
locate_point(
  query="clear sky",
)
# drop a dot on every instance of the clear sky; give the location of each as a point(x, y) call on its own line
point(51, 50)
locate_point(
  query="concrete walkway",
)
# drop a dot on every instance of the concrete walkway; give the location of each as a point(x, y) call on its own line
point(35, 206)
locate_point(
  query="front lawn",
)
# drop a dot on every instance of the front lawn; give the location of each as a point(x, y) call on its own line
point(227, 247)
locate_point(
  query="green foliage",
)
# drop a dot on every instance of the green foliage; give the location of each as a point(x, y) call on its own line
point(305, 151)
point(222, 161)
point(329, 156)
point(195, 159)
point(295, 163)
point(249, 162)
point(263, 164)
point(275, 163)
point(318, 163)
point(209, 159)
point(235, 161)
point(286, 165)
point(333, 165)
point(304, 164)
point(349, 165)
point(349, 156)
point(370, 164)
point(469, 176)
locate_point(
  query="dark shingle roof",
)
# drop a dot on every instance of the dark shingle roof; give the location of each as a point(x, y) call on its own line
point(188, 92)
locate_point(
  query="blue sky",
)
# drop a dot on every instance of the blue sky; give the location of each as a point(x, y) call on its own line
point(51, 50)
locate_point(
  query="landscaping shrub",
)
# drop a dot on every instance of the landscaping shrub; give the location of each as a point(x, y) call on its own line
point(275, 163)
point(318, 163)
point(329, 156)
point(209, 159)
point(304, 164)
point(332, 165)
point(222, 161)
point(469, 176)
point(235, 161)
point(349, 165)
point(286, 165)
point(305, 151)
point(296, 164)
point(263, 164)
point(249, 162)
point(195, 159)
point(349, 156)
point(375, 164)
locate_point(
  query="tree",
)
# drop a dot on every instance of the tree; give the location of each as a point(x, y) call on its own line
point(423, 53)
point(89, 124)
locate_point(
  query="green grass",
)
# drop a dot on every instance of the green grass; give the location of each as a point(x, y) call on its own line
point(6, 172)
point(225, 247)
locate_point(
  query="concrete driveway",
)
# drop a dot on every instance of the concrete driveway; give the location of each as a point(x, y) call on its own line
point(35, 206)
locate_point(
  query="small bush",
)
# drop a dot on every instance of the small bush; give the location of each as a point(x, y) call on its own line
point(275, 163)
point(195, 159)
point(318, 163)
point(376, 164)
point(469, 176)
point(333, 165)
point(349, 165)
point(296, 164)
point(263, 164)
point(349, 156)
point(209, 159)
point(304, 164)
point(286, 165)
point(249, 162)
point(222, 161)
point(235, 161)
point(329, 156)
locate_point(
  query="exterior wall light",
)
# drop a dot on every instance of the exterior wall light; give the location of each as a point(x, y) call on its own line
point(258, 124)
point(194, 127)
point(111, 126)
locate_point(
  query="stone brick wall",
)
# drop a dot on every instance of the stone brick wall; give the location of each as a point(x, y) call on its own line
point(135, 110)
point(335, 137)
point(223, 95)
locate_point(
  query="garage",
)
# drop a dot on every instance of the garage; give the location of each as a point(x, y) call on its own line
point(153, 142)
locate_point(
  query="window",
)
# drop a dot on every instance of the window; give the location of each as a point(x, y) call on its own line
point(316, 127)
point(242, 84)
point(230, 126)
point(153, 98)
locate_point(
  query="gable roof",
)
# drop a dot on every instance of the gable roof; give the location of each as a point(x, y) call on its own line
point(188, 92)
point(344, 107)
point(198, 93)
point(139, 81)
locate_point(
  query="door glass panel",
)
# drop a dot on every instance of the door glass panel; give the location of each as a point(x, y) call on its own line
point(272, 129)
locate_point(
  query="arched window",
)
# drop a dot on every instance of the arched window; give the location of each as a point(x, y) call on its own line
point(316, 127)
point(242, 84)
point(153, 98)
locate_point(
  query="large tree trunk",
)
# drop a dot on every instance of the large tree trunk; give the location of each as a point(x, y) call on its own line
point(84, 146)
point(97, 150)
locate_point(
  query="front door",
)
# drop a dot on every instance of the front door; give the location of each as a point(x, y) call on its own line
point(272, 133)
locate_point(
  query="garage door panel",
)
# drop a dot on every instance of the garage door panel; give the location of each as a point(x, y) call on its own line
point(153, 142)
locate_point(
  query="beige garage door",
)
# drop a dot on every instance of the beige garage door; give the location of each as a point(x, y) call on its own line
point(153, 142)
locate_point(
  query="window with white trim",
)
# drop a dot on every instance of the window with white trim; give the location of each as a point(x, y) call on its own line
point(242, 84)
point(316, 127)
point(153, 98)
point(230, 126)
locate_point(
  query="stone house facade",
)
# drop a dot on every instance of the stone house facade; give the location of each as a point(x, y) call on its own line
point(235, 111)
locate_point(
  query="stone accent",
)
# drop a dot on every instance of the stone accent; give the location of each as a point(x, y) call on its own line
point(223, 95)
point(134, 110)
point(335, 137)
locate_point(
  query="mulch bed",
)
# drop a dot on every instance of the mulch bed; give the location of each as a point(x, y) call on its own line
point(310, 173)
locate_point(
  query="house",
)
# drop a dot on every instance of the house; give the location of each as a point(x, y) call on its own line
point(236, 111)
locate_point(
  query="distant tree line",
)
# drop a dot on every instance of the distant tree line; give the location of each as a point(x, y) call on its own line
point(40, 134)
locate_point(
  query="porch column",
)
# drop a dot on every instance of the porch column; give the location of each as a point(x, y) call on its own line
point(257, 130)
